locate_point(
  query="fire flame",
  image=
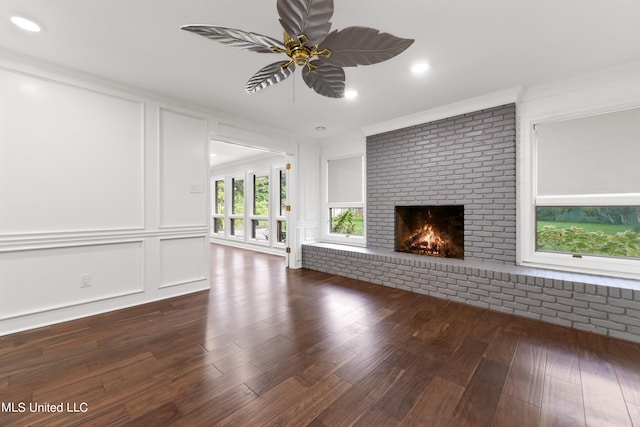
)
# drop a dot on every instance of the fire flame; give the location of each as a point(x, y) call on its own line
point(425, 240)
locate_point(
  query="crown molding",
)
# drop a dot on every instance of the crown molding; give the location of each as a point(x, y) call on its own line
point(490, 100)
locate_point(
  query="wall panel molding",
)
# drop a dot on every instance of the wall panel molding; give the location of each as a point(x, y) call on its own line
point(61, 144)
point(25, 243)
point(183, 169)
point(183, 260)
point(115, 269)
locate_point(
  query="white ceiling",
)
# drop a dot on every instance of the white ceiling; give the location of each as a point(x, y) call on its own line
point(473, 47)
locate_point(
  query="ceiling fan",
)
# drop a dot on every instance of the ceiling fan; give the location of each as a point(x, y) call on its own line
point(309, 44)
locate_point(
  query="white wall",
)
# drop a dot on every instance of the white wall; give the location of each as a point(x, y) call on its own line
point(100, 186)
point(351, 144)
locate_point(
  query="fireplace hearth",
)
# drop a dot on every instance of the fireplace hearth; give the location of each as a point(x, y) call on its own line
point(430, 230)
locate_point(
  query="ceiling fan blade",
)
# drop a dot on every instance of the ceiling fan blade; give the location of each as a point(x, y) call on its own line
point(327, 80)
point(308, 17)
point(353, 46)
point(269, 75)
point(236, 38)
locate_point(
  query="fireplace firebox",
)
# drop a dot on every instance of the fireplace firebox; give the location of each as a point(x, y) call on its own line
point(430, 230)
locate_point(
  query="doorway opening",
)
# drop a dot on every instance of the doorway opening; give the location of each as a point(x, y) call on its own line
point(250, 190)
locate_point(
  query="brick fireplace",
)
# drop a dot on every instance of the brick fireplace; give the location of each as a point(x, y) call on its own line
point(467, 160)
point(470, 161)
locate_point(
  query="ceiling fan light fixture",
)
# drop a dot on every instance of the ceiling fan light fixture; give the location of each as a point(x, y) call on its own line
point(26, 24)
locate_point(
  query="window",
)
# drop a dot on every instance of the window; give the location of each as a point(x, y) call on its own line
point(610, 231)
point(344, 210)
point(260, 210)
point(237, 208)
point(261, 195)
point(251, 207)
point(585, 183)
point(347, 221)
point(238, 196)
point(218, 207)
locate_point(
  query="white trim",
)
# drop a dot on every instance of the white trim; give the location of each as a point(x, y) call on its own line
point(276, 250)
point(73, 304)
point(54, 242)
point(240, 135)
point(344, 239)
point(507, 96)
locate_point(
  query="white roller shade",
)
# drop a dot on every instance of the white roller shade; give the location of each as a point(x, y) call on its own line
point(345, 180)
point(590, 155)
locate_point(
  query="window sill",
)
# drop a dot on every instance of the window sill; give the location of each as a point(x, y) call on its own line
point(588, 265)
point(344, 240)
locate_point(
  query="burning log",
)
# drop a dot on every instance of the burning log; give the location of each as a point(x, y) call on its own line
point(425, 241)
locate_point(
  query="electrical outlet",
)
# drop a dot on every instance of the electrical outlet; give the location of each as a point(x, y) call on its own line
point(85, 280)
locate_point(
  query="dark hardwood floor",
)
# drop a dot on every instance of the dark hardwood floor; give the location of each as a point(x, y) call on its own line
point(271, 346)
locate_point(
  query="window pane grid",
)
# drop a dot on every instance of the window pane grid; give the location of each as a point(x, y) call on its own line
point(260, 230)
point(282, 231)
point(237, 205)
point(219, 197)
point(261, 196)
point(283, 192)
point(237, 227)
point(347, 221)
point(218, 226)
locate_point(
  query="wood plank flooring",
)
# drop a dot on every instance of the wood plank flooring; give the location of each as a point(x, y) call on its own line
point(271, 346)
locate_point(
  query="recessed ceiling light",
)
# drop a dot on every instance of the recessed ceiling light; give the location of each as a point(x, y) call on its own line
point(26, 24)
point(420, 68)
point(350, 94)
